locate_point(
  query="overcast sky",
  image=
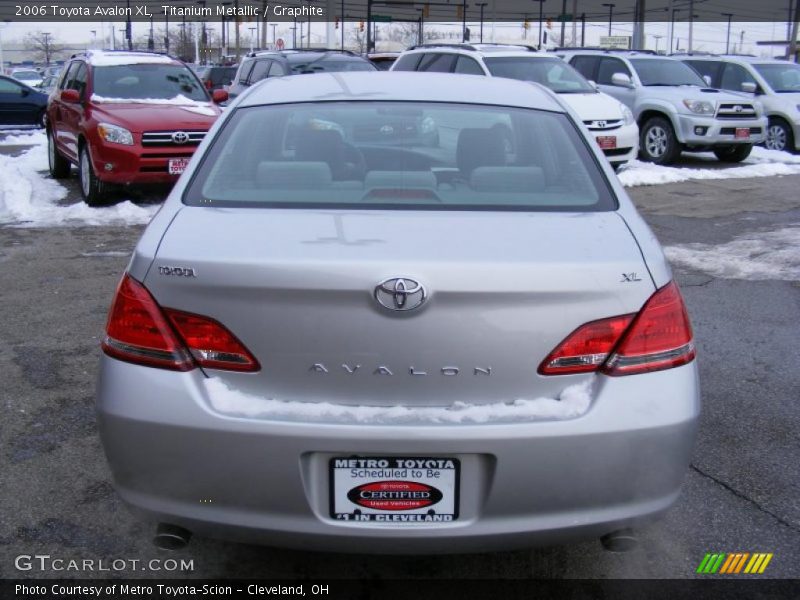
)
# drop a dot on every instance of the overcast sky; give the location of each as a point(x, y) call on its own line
point(707, 36)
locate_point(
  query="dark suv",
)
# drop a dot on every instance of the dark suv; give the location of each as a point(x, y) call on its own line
point(260, 65)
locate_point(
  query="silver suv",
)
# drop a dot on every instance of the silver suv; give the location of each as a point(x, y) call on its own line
point(675, 108)
point(337, 334)
point(775, 83)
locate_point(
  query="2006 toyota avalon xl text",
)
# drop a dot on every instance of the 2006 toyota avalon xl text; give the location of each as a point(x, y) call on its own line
point(398, 312)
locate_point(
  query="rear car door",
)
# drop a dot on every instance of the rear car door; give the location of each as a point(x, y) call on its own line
point(72, 114)
point(437, 62)
point(733, 76)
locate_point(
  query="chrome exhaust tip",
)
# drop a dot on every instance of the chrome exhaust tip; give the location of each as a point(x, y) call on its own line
point(171, 537)
point(623, 540)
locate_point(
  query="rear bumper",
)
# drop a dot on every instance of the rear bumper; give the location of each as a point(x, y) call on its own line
point(719, 132)
point(522, 484)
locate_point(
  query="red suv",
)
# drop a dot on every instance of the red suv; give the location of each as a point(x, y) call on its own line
point(126, 117)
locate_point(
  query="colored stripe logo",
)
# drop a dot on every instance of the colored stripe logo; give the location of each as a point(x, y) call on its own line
point(733, 563)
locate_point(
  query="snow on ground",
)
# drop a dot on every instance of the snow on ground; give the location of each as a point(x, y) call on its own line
point(572, 402)
point(753, 256)
point(23, 137)
point(760, 163)
point(30, 198)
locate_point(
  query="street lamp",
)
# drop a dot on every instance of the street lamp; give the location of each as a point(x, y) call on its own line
point(482, 5)
point(46, 48)
point(541, 8)
point(252, 36)
point(728, 37)
point(657, 38)
point(610, 15)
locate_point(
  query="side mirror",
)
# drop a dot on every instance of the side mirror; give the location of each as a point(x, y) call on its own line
point(70, 96)
point(707, 79)
point(219, 96)
point(621, 80)
point(749, 87)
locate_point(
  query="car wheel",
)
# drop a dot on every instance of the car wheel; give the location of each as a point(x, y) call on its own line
point(779, 136)
point(41, 119)
point(92, 189)
point(658, 142)
point(733, 154)
point(59, 166)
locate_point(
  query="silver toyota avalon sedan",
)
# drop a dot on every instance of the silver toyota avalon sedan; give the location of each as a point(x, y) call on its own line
point(401, 313)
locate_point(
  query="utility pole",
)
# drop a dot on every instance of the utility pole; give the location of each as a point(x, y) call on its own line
point(793, 37)
point(691, 24)
point(583, 30)
point(610, 15)
point(483, 5)
point(236, 30)
point(129, 28)
point(541, 17)
point(672, 29)
point(563, 20)
point(166, 32)
point(46, 48)
point(657, 38)
point(728, 36)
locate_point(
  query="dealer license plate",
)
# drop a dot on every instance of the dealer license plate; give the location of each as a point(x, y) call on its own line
point(607, 142)
point(176, 166)
point(394, 489)
point(742, 133)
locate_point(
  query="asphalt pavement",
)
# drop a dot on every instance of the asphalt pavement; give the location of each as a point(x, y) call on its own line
point(741, 493)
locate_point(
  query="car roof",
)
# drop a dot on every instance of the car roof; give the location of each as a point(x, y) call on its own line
point(736, 58)
point(618, 53)
point(124, 57)
point(403, 87)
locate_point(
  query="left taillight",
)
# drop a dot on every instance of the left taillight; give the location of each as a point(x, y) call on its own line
point(141, 332)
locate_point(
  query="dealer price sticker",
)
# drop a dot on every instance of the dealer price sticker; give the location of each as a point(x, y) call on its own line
point(394, 489)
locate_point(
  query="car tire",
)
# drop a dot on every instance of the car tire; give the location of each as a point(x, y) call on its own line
point(658, 143)
point(92, 189)
point(733, 154)
point(41, 119)
point(779, 136)
point(59, 166)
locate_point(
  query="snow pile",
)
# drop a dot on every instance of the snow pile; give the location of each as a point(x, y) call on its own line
point(572, 402)
point(23, 138)
point(29, 198)
point(637, 173)
point(755, 256)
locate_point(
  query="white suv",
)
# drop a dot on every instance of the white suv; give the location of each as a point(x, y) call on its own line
point(775, 83)
point(610, 122)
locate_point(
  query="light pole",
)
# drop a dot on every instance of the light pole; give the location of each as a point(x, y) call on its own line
point(728, 37)
point(672, 29)
point(129, 28)
point(610, 15)
point(46, 48)
point(274, 27)
point(541, 15)
point(252, 36)
point(657, 38)
point(482, 5)
point(2, 63)
point(203, 38)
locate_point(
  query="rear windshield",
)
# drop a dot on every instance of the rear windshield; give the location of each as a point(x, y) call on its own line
point(400, 155)
point(147, 81)
point(550, 72)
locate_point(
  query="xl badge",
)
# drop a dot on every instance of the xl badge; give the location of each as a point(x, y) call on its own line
point(400, 293)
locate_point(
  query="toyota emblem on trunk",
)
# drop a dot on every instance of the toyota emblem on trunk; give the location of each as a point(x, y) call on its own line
point(180, 137)
point(400, 293)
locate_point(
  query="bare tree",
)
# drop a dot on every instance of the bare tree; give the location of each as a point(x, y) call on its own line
point(43, 45)
point(358, 39)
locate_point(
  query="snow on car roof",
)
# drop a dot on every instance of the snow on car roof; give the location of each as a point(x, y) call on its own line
point(111, 59)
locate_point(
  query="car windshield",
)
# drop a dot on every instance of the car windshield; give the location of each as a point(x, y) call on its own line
point(395, 155)
point(782, 78)
point(326, 63)
point(27, 75)
point(147, 81)
point(551, 72)
point(665, 71)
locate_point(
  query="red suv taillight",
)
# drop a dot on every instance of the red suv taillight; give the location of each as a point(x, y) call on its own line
point(139, 331)
point(658, 337)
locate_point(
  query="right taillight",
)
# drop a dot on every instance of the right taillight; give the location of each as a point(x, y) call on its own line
point(141, 332)
point(658, 337)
